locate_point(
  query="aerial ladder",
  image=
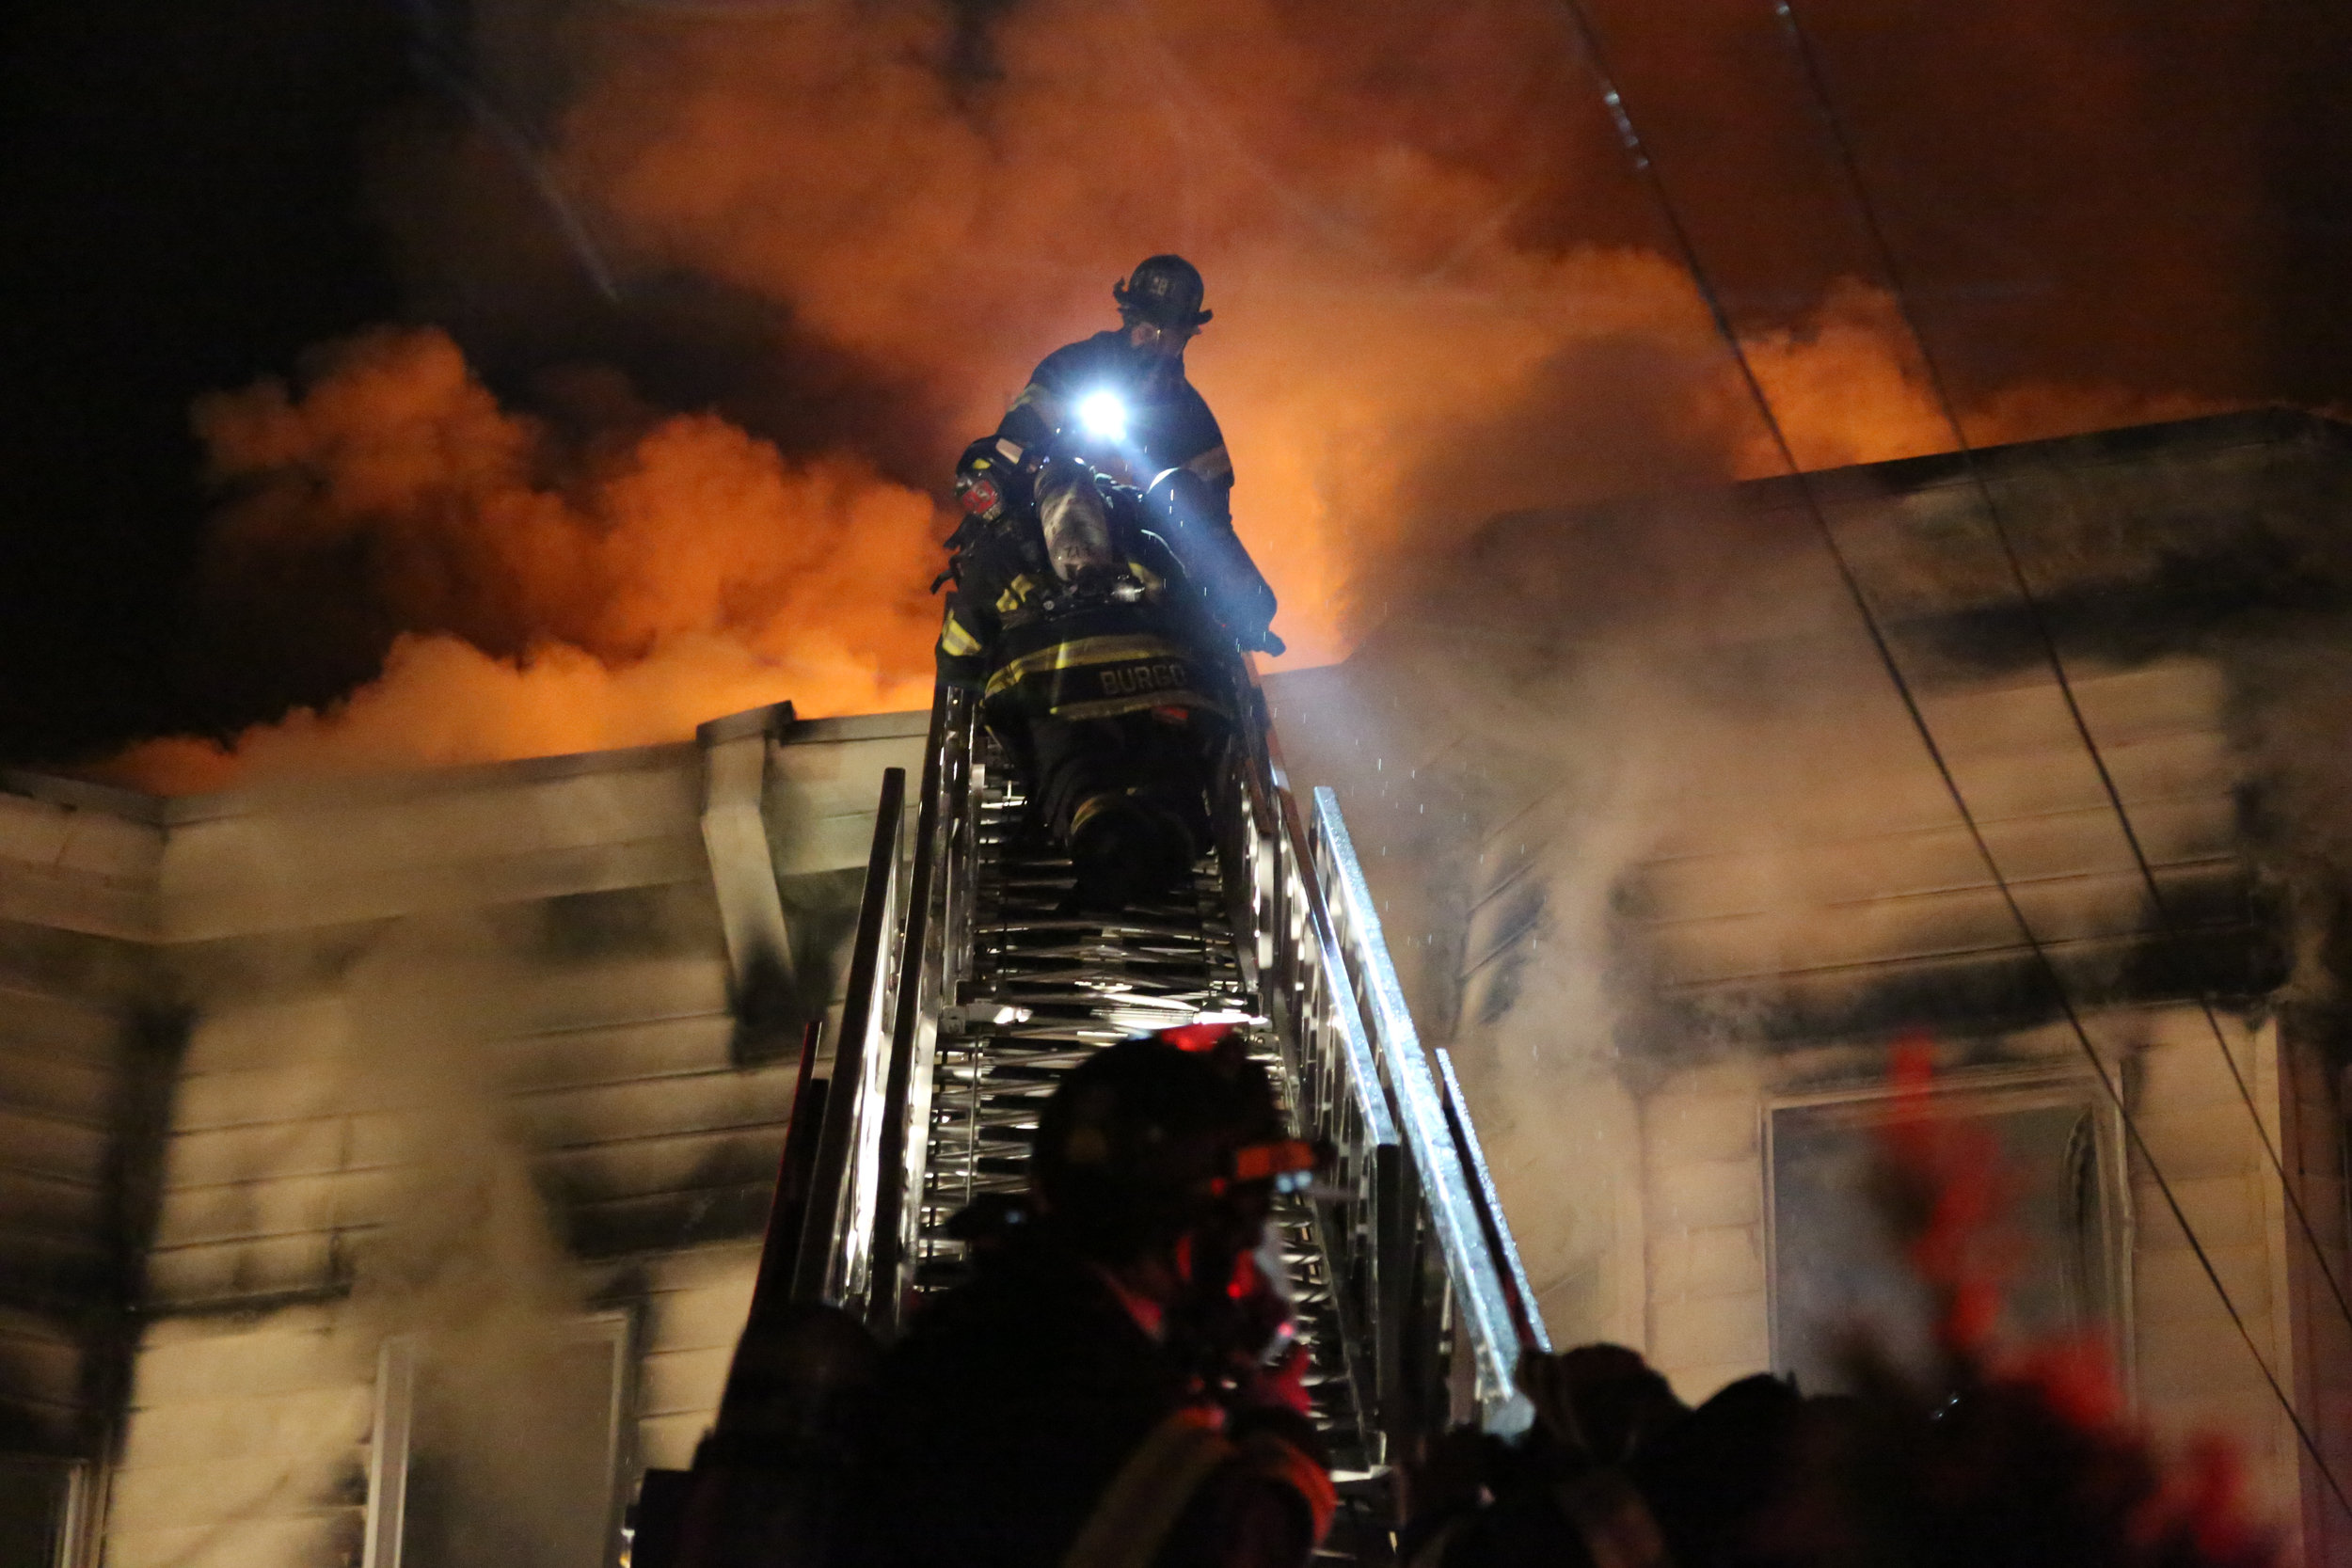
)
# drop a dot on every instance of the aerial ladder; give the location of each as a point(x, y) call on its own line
point(970, 993)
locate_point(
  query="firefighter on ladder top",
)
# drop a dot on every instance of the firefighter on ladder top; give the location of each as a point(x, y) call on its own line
point(1101, 597)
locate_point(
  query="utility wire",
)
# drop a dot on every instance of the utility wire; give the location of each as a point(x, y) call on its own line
point(1680, 233)
point(1817, 78)
point(440, 60)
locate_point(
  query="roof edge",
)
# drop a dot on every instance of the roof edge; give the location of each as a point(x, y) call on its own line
point(167, 811)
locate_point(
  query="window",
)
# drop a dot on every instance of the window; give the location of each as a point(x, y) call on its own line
point(43, 1505)
point(1835, 1270)
point(521, 1472)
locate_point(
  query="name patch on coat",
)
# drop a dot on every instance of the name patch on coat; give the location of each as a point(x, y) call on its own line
point(1127, 679)
point(1100, 676)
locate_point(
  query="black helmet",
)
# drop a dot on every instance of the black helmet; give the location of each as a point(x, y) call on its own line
point(1149, 1140)
point(1164, 290)
point(1130, 1146)
point(988, 481)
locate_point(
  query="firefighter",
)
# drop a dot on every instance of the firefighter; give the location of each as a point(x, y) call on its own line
point(1142, 363)
point(1120, 399)
point(1062, 1407)
point(1103, 672)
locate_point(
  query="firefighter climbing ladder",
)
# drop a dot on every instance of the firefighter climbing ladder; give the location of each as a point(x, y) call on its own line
point(970, 994)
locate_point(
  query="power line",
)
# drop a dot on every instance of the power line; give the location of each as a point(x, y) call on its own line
point(1817, 79)
point(1680, 233)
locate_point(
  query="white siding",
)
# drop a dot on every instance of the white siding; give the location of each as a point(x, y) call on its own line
point(504, 986)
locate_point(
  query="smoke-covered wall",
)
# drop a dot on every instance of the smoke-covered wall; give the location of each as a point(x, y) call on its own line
point(463, 1062)
point(1654, 690)
point(1660, 847)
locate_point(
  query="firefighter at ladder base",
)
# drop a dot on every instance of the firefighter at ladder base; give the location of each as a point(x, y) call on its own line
point(1101, 1394)
point(1100, 596)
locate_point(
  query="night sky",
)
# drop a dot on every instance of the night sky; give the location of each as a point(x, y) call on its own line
point(183, 187)
point(2157, 195)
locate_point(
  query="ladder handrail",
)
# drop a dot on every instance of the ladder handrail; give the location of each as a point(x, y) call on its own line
point(832, 1250)
point(928, 968)
point(1519, 1296)
point(1471, 1268)
point(1347, 1017)
point(1497, 1307)
point(1334, 1092)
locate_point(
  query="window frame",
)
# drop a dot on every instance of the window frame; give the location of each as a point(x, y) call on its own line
point(80, 1507)
point(384, 1537)
point(1987, 1091)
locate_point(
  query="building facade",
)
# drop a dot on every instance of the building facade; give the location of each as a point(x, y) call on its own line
point(408, 1133)
point(411, 1138)
point(1672, 868)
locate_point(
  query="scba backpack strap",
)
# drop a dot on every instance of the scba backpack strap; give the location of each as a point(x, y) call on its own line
point(1143, 1500)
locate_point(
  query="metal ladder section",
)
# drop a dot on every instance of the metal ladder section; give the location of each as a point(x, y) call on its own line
point(1040, 992)
point(970, 995)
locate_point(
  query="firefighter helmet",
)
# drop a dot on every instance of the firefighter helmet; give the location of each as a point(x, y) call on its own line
point(1133, 1149)
point(1165, 290)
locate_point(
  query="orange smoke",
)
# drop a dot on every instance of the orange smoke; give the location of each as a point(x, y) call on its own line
point(631, 588)
point(1397, 355)
point(1849, 387)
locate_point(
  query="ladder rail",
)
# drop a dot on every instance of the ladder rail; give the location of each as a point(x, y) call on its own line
point(1474, 1276)
point(1519, 1296)
point(832, 1249)
point(1333, 1089)
point(1431, 1194)
point(930, 949)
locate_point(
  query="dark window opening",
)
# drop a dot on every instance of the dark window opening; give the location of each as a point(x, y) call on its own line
point(41, 1505)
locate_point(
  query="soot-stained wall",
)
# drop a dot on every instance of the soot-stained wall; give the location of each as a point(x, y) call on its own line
point(1660, 847)
point(458, 1056)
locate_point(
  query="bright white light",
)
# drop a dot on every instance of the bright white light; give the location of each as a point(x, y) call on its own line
point(1104, 415)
